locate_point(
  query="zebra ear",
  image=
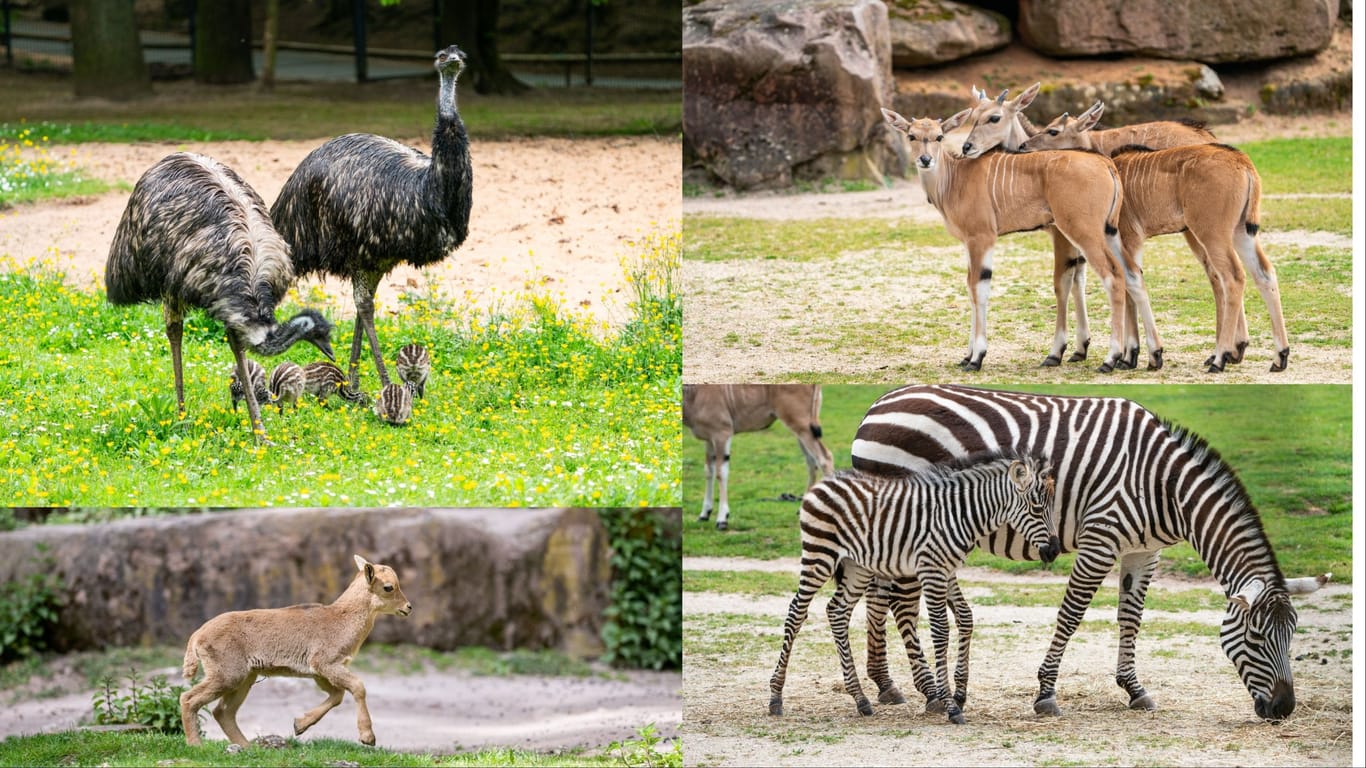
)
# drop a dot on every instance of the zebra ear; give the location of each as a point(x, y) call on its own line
point(1306, 584)
point(1247, 597)
point(1020, 475)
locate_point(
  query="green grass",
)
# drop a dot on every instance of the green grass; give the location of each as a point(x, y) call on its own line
point(81, 748)
point(529, 406)
point(719, 238)
point(29, 172)
point(403, 109)
point(1303, 165)
point(1290, 444)
point(119, 132)
point(1312, 214)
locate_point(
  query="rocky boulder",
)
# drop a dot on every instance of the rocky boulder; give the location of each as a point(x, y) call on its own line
point(926, 32)
point(1211, 31)
point(498, 578)
point(783, 89)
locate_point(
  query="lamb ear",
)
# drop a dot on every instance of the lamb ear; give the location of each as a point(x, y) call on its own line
point(361, 562)
point(1248, 595)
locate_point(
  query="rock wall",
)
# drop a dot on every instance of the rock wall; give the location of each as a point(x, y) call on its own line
point(786, 89)
point(1210, 31)
point(499, 578)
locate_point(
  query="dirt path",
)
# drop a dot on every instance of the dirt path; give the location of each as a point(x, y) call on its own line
point(553, 215)
point(438, 712)
point(1205, 715)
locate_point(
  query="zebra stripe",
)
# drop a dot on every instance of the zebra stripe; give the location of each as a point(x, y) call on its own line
point(1128, 485)
point(857, 525)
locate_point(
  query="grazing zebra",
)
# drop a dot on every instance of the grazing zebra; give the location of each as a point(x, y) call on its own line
point(1129, 484)
point(920, 526)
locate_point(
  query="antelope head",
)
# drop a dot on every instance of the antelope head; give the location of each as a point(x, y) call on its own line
point(1066, 132)
point(997, 122)
point(925, 134)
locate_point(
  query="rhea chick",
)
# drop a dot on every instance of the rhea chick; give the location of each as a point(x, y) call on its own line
point(287, 384)
point(257, 375)
point(395, 404)
point(414, 365)
point(323, 380)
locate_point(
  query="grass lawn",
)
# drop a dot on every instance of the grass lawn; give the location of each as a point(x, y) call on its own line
point(1294, 457)
point(531, 406)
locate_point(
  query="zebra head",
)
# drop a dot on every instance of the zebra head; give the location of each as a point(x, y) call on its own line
point(1256, 636)
point(1031, 512)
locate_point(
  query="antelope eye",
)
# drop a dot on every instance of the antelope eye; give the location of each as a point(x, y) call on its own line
point(1052, 131)
point(388, 587)
point(994, 119)
point(941, 137)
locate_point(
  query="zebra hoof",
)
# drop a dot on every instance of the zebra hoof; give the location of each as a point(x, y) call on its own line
point(1052, 361)
point(892, 695)
point(1047, 706)
point(1143, 701)
point(721, 525)
point(775, 706)
point(935, 707)
point(958, 719)
point(864, 708)
point(1282, 361)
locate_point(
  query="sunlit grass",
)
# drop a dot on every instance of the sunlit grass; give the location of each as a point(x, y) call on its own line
point(29, 171)
point(531, 405)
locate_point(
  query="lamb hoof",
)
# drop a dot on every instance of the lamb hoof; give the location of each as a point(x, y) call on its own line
point(892, 695)
point(1143, 701)
point(1048, 706)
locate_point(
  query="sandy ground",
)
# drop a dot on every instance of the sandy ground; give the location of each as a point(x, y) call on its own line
point(439, 712)
point(554, 215)
point(1205, 715)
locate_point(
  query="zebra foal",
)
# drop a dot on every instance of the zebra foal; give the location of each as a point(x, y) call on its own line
point(918, 526)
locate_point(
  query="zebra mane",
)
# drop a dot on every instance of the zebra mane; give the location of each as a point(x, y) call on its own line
point(1209, 459)
point(940, 472)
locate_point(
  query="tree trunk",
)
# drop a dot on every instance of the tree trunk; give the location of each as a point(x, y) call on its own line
point(269, 39)
point(106, 56)
point(473, 25)
point(222, 52)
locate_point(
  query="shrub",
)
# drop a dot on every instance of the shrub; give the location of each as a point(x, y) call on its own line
point(645, 621)
point(28, 611)
point(155, 705)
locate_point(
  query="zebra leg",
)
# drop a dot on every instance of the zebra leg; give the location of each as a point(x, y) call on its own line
point(906, 608)
point(813, 577)
point(962, 618)
point(935, 586)
point(1094, 560)
point(852, 583)
point(1136, 571)
point(875, 609)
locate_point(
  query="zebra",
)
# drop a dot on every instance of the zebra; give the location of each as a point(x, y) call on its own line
point(916, 525)
point(1129, 484)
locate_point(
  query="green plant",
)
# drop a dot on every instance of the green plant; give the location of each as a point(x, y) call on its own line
point(28, 611)
point(155, 705)
point(645, 750)
point(645, 621)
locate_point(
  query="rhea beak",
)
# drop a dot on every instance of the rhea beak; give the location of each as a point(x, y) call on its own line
point(325, 346)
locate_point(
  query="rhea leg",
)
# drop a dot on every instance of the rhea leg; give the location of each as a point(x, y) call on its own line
point(175, 332)
point(253, 408)
point(312, 716)
point(364, 287)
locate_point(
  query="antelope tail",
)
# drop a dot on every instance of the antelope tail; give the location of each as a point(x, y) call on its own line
point(1252, 210)
point(816, 413)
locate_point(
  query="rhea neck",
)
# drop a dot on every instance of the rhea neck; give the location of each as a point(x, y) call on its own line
point(287, 334)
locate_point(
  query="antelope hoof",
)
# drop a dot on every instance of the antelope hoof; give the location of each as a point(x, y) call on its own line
point(891, 695)
point(1105, 368)
point(1048, 706)
point(721, 525)
point(775, 706)
point(1155, 364)
point(1237, 356)
point(935, 707)
point(1282, 361)
point(1131, 361)
point(1052, 361)
point(1143, 701)
point(864, 707)
point(1080, 354)
point(705, 516)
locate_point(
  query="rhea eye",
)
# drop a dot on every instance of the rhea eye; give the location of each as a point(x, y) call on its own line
point(388, 587)
point(994, 119)
point(1052, 131)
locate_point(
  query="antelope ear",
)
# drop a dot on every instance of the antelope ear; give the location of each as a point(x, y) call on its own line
point(1088, 119)
point(1247, 597)
point(949, 123)
point(1027, 97)
point(1306, 584)
point(895, 120)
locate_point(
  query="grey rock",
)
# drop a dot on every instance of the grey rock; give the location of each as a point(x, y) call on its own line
point(1208, 84)
point(926, 32)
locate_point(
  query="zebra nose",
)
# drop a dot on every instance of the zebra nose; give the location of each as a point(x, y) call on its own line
point(1281, 704)
point(1050, 552)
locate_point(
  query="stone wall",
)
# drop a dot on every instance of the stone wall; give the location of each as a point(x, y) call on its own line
point(499, 578)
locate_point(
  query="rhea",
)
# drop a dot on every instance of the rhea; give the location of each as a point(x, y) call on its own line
point(195, 235)
point(360, 204)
